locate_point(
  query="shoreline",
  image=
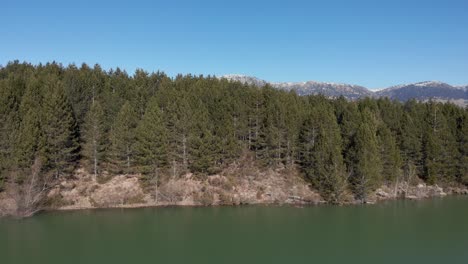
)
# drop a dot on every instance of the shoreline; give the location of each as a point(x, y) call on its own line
point(295, 205)
point(84, 192)
point(266, 204)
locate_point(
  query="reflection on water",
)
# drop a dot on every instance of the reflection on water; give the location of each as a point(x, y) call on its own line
point(431, 231)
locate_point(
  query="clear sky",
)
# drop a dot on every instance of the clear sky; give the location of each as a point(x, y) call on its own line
point(367, 42)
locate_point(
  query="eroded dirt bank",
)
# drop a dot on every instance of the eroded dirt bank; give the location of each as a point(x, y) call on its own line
point(83, 191)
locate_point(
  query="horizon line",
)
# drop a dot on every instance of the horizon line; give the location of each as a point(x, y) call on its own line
point(131, 73)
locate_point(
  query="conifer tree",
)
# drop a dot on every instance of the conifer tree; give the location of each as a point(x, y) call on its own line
point(59, 129)
point(29, 140)
point(293, 117)
point(9, 103)
point(349, 119)
point(203, 147)
point(255, 135)
point(222, 115)
point(410, 142)
point(179, 118)
point(122, 139)
point(439, 147)
point(390, 155)
point(94, 138)
point(463, 148)
point(322, 159)
point(151, 142)
point(367, 170)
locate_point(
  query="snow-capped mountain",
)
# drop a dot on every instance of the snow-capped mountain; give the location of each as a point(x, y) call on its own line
point(422, 91)
point(307, 88)
point(463, 87)
point(245, 79)
point(352, 92)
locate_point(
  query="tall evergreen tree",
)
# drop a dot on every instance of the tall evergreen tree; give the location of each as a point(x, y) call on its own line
point(122, 138)
point(94, 138)
point(367, 163)
point(440, 150)
point(411, 137)
point(151, 142)
point(29, 140)
point(179, 119)
point(59, 129)
point(349, 119)
point(321, 159)
point(463, 148)
point(9, 103)
point(390, 155)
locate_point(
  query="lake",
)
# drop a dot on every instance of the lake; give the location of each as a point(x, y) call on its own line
point(429, 231)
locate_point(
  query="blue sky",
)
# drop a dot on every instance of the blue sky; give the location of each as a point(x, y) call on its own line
point(372, 43)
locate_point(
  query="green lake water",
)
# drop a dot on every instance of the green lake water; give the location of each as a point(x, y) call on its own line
point(430, 231)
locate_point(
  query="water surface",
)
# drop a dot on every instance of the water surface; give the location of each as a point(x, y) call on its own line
point(430, 231)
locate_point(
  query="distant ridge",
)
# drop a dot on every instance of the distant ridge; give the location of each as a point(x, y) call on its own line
point(421, 91)
point(428, 90)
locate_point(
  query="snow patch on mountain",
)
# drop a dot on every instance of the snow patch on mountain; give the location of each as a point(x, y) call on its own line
point(422, 91)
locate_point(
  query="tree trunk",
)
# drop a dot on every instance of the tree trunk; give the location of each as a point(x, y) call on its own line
point(184, 151)
point(155, 178)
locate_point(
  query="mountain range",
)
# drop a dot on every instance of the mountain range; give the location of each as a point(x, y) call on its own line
point(421, 91)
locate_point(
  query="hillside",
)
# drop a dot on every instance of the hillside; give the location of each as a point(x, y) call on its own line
point(422, 91)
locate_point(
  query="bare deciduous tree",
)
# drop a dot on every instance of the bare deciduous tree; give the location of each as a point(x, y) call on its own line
point(30, 194)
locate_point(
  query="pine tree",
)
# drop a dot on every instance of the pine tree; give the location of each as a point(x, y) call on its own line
point(321, 154)
point(94, 138)
point(9, 103)
point(348, 118)
point(463, 149)
point(389, 154)
point(440, 149)
point(59, 130)
point(29, 140)
point(255, 135)
point(122, 139)
point(151, 142)
point(411, 137)
point(222, 115)
point(204, 149)
point(308, 140)
point(180, 118)
point(203, 152)
point(293, 118)
point(367, 170)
